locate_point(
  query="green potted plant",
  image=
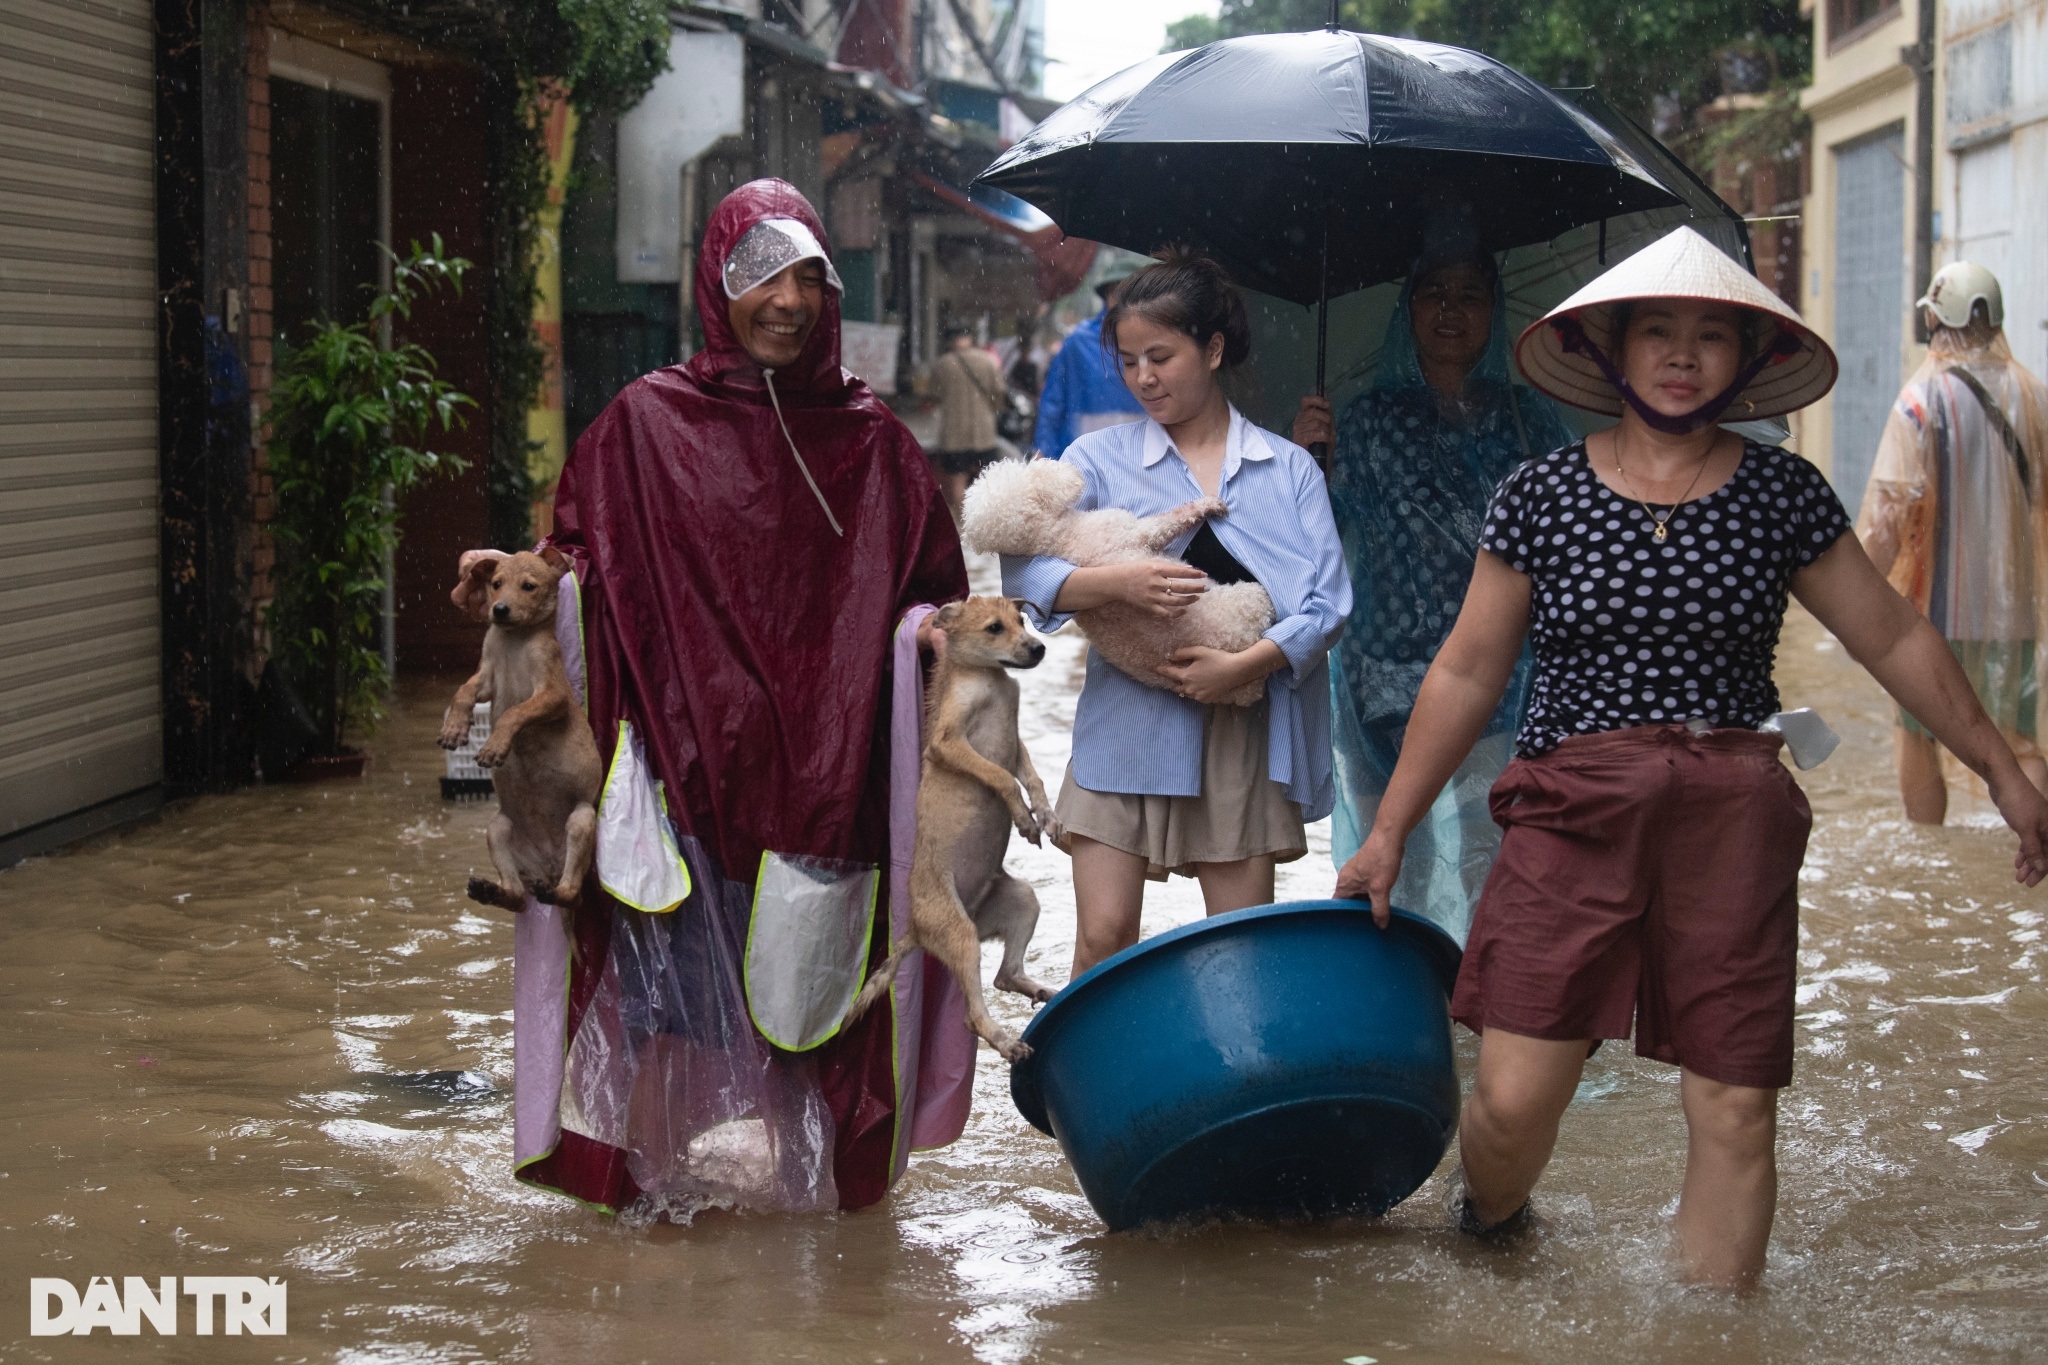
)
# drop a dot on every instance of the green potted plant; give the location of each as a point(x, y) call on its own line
point(347, 409)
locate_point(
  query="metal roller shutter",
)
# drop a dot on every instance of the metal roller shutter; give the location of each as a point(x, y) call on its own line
point(80, 696)
point(1870, 301)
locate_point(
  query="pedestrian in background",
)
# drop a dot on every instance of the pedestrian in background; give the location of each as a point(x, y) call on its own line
point(971, 392)
point(1084, 391)
point(1954, 515)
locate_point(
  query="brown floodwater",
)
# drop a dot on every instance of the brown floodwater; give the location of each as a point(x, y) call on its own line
point(266, 1035)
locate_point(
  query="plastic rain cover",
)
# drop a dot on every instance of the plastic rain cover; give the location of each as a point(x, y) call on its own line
point(637, 858)
point(666, 1066)
point(1410, 485)
point(1966, 537)
point(807, 946)
point(770, 247)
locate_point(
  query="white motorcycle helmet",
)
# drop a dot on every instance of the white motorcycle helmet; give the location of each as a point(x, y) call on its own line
point(1955, 291)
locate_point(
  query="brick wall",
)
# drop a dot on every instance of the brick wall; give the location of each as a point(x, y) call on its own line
point(262, 553)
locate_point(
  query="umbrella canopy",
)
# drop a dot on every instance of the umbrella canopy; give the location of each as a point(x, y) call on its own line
point(1257, 149)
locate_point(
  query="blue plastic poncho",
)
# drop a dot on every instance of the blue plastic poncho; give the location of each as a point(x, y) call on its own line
point(1084, 392)
point(1410, 483)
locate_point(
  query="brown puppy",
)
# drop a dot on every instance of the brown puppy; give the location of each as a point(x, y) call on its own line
point(967, 801)
point(544, 760)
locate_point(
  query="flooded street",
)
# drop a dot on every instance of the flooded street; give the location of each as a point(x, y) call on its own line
point(266, 1035)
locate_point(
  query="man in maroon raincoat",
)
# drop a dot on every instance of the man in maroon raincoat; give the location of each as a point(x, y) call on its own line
point(748, 529)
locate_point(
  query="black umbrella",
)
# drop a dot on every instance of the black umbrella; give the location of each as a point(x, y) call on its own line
point(1314, 164)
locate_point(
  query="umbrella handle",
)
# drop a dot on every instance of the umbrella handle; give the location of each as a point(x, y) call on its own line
point(1321, 449)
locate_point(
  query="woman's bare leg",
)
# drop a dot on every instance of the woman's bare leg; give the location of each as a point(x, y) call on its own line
point(1921, 785)
point(1236, 886)
point(1109, 896)
point(1731, 1181)
point(1510, 1123)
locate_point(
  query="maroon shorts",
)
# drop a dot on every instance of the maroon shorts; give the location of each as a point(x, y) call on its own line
point(1648, 874)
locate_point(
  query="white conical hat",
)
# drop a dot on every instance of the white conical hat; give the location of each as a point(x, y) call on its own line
point(1682, 265)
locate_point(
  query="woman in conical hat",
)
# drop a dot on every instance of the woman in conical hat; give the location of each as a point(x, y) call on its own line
point(1648, 872)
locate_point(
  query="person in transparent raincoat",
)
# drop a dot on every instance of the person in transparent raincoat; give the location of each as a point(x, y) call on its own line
point(1956, 515)
point(1415, 462)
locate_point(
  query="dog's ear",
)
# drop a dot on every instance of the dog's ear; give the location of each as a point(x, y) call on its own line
point(946, 617)
point(555, 559)
point(473, 582)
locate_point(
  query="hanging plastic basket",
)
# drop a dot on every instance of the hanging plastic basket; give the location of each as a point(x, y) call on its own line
point(464, 780)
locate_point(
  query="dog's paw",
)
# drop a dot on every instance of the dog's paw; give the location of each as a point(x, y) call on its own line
point(1014, 1050)
point(1036, 991)
point(1211, 507)
point(1049, 825)
point(1251, 694)
point(1028, 827)
point(493, 752)
point(541, 890)
point(452, 734)
point(486, 892)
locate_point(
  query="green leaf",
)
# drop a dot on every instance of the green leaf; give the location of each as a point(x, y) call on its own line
point(342, 405)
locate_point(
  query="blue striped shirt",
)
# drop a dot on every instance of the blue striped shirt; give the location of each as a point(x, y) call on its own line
point(1143, 740)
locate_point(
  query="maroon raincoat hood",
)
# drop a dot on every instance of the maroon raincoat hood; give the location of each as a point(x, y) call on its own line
point(816, 376)
point(746, 642)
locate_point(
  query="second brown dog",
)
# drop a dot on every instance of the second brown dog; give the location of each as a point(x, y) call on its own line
point(542, 756)
point(968, 799)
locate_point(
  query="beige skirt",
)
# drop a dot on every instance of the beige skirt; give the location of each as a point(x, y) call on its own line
point(1240, 814)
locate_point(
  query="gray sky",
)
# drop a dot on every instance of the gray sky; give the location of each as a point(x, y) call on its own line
point(1087, 40)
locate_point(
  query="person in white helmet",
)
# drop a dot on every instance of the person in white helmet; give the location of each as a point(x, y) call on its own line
point(1956, 515)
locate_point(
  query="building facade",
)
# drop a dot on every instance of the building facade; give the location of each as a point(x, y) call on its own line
point(882, 114)
point(1930, 145)
point(193, 184)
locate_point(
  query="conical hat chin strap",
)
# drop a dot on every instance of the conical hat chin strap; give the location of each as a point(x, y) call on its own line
point(1575, 341)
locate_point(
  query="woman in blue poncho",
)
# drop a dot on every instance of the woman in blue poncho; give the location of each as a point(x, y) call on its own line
point(1417, 458)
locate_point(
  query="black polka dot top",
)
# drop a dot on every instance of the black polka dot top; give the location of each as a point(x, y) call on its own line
point(1628, 631)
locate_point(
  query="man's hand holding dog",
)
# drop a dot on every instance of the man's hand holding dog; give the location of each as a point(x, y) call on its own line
point(1207, 675)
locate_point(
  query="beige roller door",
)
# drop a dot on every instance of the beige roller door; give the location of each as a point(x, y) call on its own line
point(80, 705)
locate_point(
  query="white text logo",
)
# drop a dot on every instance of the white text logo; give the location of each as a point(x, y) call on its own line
point(247, 1303)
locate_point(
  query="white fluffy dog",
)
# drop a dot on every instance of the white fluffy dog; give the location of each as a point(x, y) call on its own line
point(1026, 507)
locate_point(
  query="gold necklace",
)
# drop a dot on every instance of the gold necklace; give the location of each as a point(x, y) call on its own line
point(1664, 521)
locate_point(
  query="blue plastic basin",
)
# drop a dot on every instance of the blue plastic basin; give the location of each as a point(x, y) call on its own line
point(1287, 1061)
